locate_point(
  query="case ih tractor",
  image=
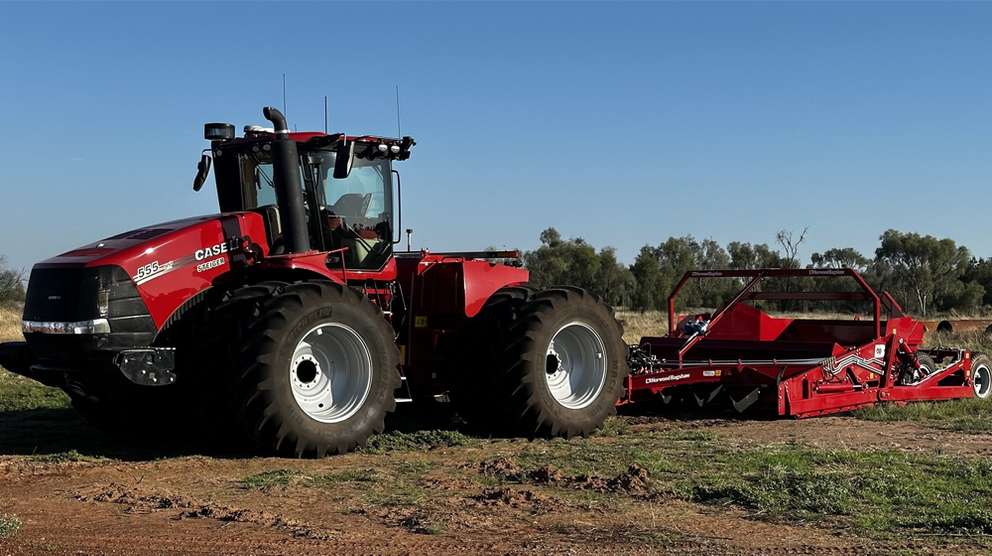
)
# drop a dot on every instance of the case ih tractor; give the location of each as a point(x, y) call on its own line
point(290, 314)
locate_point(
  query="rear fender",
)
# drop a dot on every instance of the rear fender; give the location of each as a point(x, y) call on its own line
point(453, 287)
point(442, 293)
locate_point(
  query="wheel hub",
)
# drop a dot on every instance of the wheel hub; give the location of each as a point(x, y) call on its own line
point(575, 365)
point(330, 373)
point(982, 379)
point(307, 372)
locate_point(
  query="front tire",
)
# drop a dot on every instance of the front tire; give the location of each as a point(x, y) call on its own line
point(318, 371)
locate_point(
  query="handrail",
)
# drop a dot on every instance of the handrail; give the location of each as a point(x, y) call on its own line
point(758, 274)
point(695, 338)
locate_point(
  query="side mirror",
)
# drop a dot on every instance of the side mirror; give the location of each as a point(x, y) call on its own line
point(345, 157)
point(202, 171)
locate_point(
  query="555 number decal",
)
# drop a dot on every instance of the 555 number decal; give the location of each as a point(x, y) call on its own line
point(147, 270)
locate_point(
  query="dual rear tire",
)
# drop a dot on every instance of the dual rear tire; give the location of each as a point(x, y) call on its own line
point(540, 364)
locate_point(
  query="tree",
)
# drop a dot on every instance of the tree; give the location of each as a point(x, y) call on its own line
point(574, 262)
point(747, 256)
point(980, 272)
point(842, 257)
point(658, 269)
point(11, 284)
point(928, 270)
point(790, 245)
point(648, 292)
point(615, 282)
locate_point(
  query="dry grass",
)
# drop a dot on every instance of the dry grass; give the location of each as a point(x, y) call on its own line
point(10, 324)
point(637, 324)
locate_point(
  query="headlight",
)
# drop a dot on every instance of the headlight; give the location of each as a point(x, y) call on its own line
point(103, 302)
point(95, 326)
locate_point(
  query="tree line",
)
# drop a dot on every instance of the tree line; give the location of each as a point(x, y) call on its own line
point(926, 274)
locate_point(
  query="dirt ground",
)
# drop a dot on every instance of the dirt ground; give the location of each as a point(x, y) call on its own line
point(109, 498)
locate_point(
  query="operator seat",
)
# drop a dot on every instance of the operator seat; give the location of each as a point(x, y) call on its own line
point(352, 204)
point(273, 228)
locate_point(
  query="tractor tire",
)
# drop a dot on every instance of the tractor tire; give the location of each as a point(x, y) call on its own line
point(317, 370)
point(470, 353)
point(562, 365)
point(981, 376)
point(216, 352)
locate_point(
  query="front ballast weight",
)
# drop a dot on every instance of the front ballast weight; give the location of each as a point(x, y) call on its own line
point(152, 366)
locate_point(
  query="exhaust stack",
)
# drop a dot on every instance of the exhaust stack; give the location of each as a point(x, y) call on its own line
point(286, 178)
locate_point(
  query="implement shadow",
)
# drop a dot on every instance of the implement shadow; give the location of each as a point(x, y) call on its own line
point(684, 410)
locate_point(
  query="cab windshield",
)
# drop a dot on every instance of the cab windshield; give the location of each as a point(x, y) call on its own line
point(353, 213)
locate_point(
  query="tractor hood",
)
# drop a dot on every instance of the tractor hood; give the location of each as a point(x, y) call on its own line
point(169, 263)
point(127, 245)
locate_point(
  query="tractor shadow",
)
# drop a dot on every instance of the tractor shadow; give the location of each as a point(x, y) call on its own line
point(60, 434)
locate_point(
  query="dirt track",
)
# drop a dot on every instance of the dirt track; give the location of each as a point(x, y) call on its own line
point(437, 501)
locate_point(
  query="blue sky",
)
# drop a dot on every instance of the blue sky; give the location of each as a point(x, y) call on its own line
point(620, 123)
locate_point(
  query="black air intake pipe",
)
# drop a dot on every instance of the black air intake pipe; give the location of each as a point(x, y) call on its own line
point(286, 175)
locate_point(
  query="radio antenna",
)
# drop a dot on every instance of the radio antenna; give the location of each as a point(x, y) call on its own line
point(325, 114)
point(399, 130)
point(284, 111)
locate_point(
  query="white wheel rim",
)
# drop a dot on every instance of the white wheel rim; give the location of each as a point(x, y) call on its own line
point(575, 365)
point(982, 378)
point(331, 373)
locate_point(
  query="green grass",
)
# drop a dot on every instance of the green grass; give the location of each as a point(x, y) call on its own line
point(969, 415)
point(414, 441)
point(392, 484)
point(872, 492)
point(63, 457)
point(613, 426)
point(9, 525)
point(268, 479)
point(18, 393)
point(284, 477)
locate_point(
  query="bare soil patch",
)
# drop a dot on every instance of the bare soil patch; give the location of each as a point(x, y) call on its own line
point(493, 496)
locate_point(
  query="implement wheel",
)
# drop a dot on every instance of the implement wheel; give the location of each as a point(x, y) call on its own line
point(927, 365)
point(318, 368)
point(981, 376)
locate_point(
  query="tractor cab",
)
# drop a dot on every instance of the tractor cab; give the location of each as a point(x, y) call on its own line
point(346, 184)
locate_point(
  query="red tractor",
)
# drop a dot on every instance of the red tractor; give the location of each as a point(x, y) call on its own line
point(290, 312)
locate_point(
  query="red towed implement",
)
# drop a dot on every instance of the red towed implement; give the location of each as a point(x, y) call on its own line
point(799, 367)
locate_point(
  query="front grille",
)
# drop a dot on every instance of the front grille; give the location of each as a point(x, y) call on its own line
point(62, 294)
point(69, 294)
